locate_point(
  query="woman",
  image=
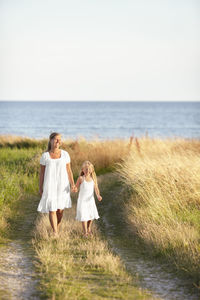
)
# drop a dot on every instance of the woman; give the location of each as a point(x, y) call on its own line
point(55, 179)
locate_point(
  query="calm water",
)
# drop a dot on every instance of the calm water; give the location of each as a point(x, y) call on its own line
point(101, 119)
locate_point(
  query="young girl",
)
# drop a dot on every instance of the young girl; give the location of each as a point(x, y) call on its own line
point(86, 207)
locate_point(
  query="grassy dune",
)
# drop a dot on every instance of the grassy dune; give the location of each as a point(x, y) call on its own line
point(163, 206)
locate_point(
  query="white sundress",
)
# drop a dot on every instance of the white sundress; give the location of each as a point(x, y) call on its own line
point(86, 207)
point(56, 187)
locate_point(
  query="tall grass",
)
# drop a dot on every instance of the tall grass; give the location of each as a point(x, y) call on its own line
point(164, 207)
point(18, 180)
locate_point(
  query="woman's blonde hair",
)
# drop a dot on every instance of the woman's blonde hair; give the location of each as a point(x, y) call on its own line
point(51, 137)
point(93, 174)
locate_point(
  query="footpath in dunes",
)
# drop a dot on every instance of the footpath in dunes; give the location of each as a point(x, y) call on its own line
point(33, 265)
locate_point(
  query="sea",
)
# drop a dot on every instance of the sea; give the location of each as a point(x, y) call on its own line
point(100, 120)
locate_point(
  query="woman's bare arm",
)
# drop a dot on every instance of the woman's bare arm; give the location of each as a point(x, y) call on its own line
point(70, 175)
point(42, 170)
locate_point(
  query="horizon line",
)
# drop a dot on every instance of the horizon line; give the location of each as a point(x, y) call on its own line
point(28, 100)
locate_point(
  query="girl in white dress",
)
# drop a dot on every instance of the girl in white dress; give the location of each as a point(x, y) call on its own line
point(86, 208)
point(55, 179)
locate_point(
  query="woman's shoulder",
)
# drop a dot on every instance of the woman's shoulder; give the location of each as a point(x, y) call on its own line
point(44, 154)
point(44, 158)
point(64, 152)
point(65, 155)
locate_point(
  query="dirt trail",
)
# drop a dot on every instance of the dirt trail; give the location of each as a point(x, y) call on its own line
point(18, 276)
point(154, 275)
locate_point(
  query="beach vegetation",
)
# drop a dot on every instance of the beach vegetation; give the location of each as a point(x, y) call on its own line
point(162, 180)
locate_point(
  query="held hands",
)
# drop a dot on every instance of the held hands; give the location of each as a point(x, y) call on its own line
point(74, 189)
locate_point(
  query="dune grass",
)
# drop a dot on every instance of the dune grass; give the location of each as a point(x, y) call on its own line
point(163, 206)
point(75, 267)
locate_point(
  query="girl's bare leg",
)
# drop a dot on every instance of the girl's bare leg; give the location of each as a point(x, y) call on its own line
point(84, 225)
point(89, 226)
point(59, 214)
point(53, 221)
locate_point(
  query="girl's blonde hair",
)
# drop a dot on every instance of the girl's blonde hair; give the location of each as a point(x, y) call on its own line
point(93, 174)
point(51, 137)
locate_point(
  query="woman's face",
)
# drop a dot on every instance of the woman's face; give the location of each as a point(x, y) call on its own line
point(56, 142)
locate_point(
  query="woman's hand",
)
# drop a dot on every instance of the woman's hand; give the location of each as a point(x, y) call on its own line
point(41, 192)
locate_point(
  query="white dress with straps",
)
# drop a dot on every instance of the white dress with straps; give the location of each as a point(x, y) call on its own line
point(56, 187)
point(86, 207)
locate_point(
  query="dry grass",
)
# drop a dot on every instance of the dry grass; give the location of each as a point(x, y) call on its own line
point(103, 154)
point(164, 177)
point(74, 267)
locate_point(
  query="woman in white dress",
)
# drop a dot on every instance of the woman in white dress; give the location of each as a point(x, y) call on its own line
point(86, 208)
point(55, 179)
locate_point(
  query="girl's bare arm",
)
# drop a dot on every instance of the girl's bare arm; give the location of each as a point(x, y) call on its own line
point(96, 188)
point(78, 182)
point(42, 170)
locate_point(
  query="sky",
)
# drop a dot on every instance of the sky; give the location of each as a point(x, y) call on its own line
point(100, 50)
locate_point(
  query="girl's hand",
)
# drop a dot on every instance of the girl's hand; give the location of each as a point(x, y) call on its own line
point(99, 198)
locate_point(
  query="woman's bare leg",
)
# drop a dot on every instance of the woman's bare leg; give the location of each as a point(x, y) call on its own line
point(59, 214)
point(53, 221)
point(89, 226)
point(84, 225)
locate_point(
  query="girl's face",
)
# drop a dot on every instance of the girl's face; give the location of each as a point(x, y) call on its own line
point(87, 170)
point(56, 142)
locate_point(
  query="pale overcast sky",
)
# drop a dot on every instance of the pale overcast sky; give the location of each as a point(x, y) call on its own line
point(99, 50)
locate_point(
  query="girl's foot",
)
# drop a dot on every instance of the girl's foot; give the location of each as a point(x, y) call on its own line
point(55, 235)
point(85, 234)
point(90, 233)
